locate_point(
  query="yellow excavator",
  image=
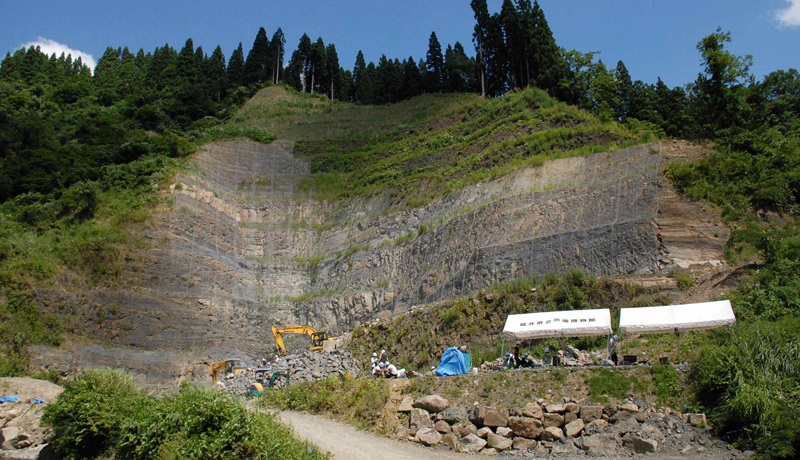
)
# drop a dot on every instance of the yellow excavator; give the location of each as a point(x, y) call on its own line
point(318, 338)
point(230, 366)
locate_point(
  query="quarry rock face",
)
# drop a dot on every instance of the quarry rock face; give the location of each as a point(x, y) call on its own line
point(239, 245)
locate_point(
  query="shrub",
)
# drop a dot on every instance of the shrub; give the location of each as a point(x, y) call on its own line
point(683, 278)
point(88, 418)
point(205, 423)
point(749, 385)
point(103, 413)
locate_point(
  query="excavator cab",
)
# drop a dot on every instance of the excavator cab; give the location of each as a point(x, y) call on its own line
point(317, 339)
point(230, 366)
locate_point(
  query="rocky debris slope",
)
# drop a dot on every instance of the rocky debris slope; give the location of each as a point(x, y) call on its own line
point(568, 428)
point(21, 433)
point(302, 367)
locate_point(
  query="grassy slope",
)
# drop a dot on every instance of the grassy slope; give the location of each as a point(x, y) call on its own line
point(416, 340)
point(431, 145)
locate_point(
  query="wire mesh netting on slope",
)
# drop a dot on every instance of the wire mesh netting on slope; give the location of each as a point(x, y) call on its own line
point(239, 235)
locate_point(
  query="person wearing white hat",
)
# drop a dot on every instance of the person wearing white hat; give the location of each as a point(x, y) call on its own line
point(384, 357)
point(393, 373)
point(373, 361)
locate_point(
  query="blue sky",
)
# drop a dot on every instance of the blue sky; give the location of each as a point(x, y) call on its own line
point(653, 37)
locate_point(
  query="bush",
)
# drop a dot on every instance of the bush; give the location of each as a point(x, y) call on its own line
point(205, 423)
point(103, 413)
point(683, 278)
point(88, 418)
point(749, 385)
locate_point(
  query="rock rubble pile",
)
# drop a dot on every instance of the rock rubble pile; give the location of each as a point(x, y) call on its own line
point(301, 367)
point(567, 428)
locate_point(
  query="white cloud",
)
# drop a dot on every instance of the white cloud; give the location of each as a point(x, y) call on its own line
point(51, 46)
point(789, 16)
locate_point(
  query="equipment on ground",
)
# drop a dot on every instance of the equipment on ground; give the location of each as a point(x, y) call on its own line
point(318, 338)
point(230, 366)
point(455, 361)
point(261, 377)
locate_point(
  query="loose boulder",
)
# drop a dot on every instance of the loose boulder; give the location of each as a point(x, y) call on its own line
point(504, 432)
point(627, 425)
point(471, 443)
point(556, 408)
point(431, 403)
point(484, 432)
point(495, 418)
point(552, 433)
point(640, 445)
point(597, 426)
point(526, 427)
point(453, 415)
point(428, 436)
point(442, 427)
point(498, 442)
point(532, 410)
point(524, 444)
point(463, 429)
point(601, 445)
point(406, 404)
point(591, 413)
point(573, 429)
point(418, 419)
point(555, 420)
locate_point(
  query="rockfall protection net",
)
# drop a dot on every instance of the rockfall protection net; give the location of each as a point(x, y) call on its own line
point(241, 234)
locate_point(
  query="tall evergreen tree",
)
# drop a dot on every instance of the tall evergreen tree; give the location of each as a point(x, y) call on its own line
point(255, 67)
point(215, 71)
point(235, 72)
point(434, 63)
point(277, 50)
point(317, 60)
point(480, 37)
point(332, 74)
point(547, 64)
point(359, 70)
point(412, 81)
point(304, 55)
point(625, 89)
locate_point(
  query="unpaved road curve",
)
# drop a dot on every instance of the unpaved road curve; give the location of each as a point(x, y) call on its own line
point(347, 443)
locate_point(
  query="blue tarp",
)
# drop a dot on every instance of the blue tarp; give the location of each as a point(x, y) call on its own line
point(454, 362)
point(11, 398)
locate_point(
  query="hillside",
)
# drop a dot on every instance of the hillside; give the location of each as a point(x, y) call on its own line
point(309, 231)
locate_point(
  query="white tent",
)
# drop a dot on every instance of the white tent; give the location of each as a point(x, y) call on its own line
point(653, 320)
point(572, 323)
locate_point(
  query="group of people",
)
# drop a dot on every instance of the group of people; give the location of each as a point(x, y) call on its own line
point(515, 360)
point(381, 367)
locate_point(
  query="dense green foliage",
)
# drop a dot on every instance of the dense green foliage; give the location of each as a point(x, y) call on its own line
point(751, 385)
point(102, 413)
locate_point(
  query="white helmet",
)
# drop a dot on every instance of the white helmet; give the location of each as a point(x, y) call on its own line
point(383, 363)
point(374, 355)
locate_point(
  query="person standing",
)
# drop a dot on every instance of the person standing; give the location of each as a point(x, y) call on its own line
point(612, 349)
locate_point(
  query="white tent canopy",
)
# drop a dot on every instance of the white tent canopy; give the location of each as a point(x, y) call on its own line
point(572, 323)
point(696, 316)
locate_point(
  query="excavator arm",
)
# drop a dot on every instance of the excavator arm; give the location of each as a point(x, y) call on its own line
point(317, 337)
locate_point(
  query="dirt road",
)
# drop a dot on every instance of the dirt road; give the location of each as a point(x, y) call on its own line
point(347, 443)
